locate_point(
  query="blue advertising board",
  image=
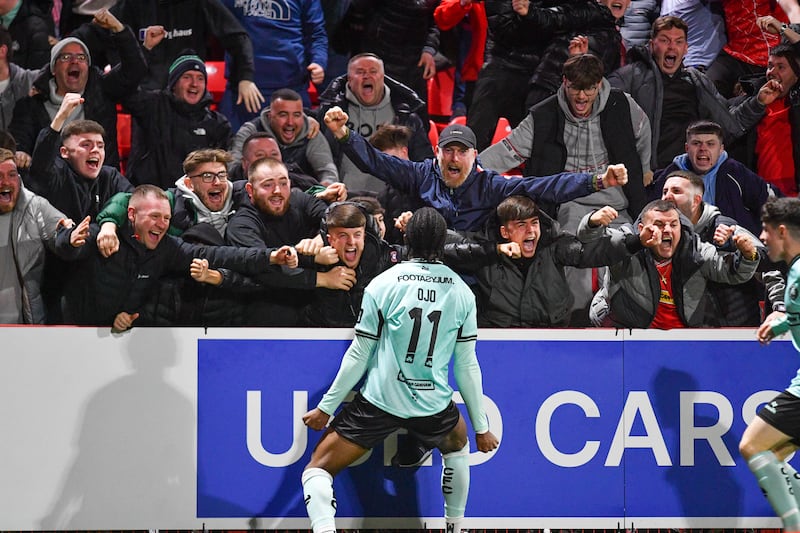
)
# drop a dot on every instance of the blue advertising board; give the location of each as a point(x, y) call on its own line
point(589, 429)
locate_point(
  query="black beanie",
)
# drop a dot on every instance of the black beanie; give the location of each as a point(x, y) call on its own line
point(187, 61)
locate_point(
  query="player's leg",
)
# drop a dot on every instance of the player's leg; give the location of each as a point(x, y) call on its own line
point(455, 475)
point(358, 427)
point(332, 454)
point(758, 446)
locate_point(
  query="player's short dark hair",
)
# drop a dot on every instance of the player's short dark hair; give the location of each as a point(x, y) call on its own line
point(79, 127)
point(425, 235)
point(516, 207)
point(704, 127)
point(786, 211)
point(583, 70)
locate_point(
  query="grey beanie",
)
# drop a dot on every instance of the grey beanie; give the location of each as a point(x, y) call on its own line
point(56, 50)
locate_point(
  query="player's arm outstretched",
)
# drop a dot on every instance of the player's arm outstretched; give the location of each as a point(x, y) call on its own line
point(468, 376)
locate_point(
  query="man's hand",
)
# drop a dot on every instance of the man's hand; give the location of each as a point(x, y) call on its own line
point(123, 322)
point(106, 20)
point(486, 441)
point(69, 104)
point(722, 233)
point(81, 232)
point(316, 72)
point(615, 175)
point(107, 240)
point(284, 256)
point(250, 95)
point(764, 333)
point(313, 127)
point(310, 246)
point(603, 216)
point(326, 256)
point(745, 245)
point(338, 278)
point(201, 273)
point(402, 220)
point(520, 7)
point(316, 419)
point(578, 45)
point(153, 35)
point(428, 65)
point(510, 249)
point(769, 24)
point(769, 92)
point(22, 159)
point(335, 192)
point(336, 120)
point(650, 236)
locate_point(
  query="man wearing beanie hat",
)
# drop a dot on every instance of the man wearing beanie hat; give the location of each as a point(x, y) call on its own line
point(184, 63)
point(173, 122)
point(71, 71)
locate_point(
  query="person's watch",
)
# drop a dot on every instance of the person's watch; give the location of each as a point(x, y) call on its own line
point(784, 27)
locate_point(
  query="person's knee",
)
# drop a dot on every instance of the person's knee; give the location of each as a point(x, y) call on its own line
point(454, 443)
point(747, 448)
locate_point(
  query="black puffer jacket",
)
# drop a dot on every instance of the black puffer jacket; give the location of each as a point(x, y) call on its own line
point(405, 104)
point(103, 287)
point(189, 24)
point(30, 31)
point(396, 30)
point(638, 21)
point(168, 130)
point(587, 18)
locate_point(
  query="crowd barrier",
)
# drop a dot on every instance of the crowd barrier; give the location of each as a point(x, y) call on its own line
point(190, 428)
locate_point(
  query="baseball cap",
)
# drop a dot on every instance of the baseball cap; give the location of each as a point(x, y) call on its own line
point(457, 133)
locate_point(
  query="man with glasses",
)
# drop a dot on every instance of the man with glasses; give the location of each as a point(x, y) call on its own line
point(582, 128)
point(204, 194)
point(71, 71)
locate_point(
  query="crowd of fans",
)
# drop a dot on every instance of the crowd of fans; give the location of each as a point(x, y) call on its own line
point(646, 138)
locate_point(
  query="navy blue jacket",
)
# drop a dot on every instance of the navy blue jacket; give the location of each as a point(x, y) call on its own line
point(467, 207)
